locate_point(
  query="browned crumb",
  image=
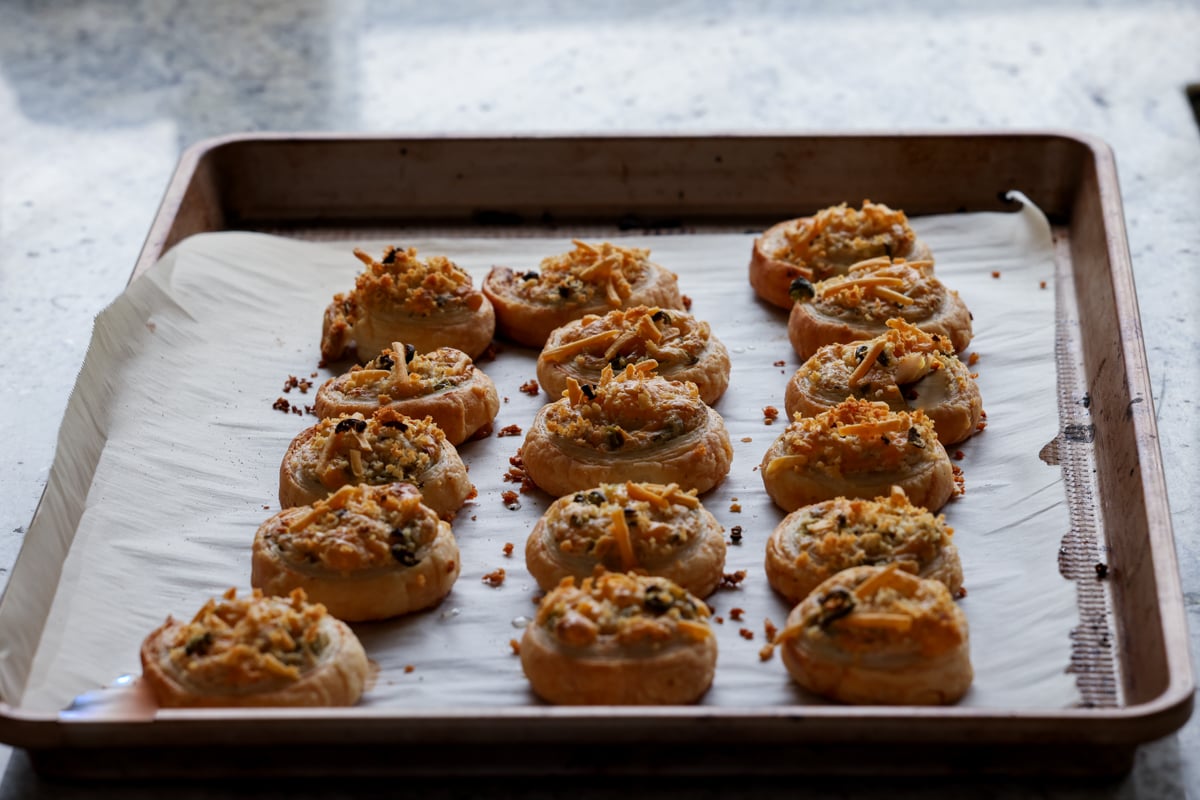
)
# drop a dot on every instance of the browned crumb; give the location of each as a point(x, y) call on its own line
point(961, 593)
point(512, 500)
point(506, 399)
point(1041, 284)
point(974, 375)
point(736, 508)
point(959, 455)
point(769, 629)
point(282, 405)
point(312, 374)
point(508, 430)
point(780, 363)
point(972, 359)
point(719, 620)
point(296, 410)
point(735, 534)
point(960, 483)
point(735, 614)
point(517, 474)
point(766, 652)
point(996, 273)
point(489, 353)
point(516, 646)
point(687, 302)
point(495, 577)
point(408, 668)
point(746, 633)
point(266, 508)
point(730, 580)
point(747, 438)
point(291, 383)
point(508, 549)
point(310, 410)
point(770, 414)
point(530, 387)
point(981, 425)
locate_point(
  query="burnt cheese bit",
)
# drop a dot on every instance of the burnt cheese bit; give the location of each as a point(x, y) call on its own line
point(661, 316)
point(390, 256)
point(657, 599)
point(564, 292)
point(350, 424)
point(588, 391)
point(530, 276)
point(801, 289)
point(383, 362)
point(198, 645)
point(835, 605)
point(394, 423)
point(914, 438)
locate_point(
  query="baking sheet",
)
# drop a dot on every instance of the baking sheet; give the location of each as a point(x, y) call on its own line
point(176, 398)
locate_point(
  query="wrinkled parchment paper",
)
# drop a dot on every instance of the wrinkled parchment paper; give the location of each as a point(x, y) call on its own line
point(169, 455)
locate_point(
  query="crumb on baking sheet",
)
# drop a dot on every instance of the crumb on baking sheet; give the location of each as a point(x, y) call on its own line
point(490, 352)
point(770, 414)
point(735, 534)
point(961, 593)
point(767, 650)
point(730, 580)
point(266, 507)
point(516, 647)
point(736, 614)
point(995, 273)
point(512, 501)
point(747, 439)
point(530, 387)
point(408, 668)
point(959, 455)
point(310, 410)
point(972, 359)
point(719, 620)
point(296, 410)
point(780, 363)
point(1041, 284)
point(508, 549)
point(735, 507)
point(687, 302)
point(746, 633)
point(769, 629)
point(495, 578)
point(516, 473)
point(960, 483)
point(508, 430)
point(282, 405)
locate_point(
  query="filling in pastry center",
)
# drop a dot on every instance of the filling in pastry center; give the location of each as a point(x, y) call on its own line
point(624, 337)
point(842, 235)
point(584, 275)
point(401, 372)
point(388, 447)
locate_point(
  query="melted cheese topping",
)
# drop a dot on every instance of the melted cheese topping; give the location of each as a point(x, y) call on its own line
point(626, 609)
point(837, 534)
point(626, 526)
point(869, 610)
point(401, 280)
point(626, 412)
point(855, 436)
point(395, 375)
point(386, 448)
point(879, 289)
point(357, 528)
point(888, 367)
point(839, 236)
point(630, 336)
point(248, 644)
point(584, 275)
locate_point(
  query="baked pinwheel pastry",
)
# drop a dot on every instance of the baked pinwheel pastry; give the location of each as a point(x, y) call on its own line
point(591, 279)
point(827, 244)
point(857, 305)
point(631, 426)
point(366, 552)
point(878, 635)
point(384, 448)
point(619, 639)
point(255, 651)
point(819, 540)
point(622, 527)
point(903, 367)
point(858, 449)
point(442, 384)
point(683, 346)
point(429, 303)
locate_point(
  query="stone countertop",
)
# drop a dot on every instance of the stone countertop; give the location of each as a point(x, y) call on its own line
point(97, 100)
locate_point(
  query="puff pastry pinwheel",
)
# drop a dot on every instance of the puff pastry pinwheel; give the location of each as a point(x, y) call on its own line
point(442, 384)
point(858, 449)
point(429, 303)
point(826, 244)
point(255, 651)
point(384, 448)
point(904, 367)
point(619, 639)
point(819, 540)
point(683, 346)
point(857, 305)
point(631, 426)
point(591, 279)
point(878, 635)
point(365, 553)
point(623, 527)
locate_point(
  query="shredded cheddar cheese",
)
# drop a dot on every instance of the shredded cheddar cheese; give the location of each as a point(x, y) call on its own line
point(398, 374)
point(583, 275)
point(419, 287)
point(629, 336)
point(836, 237)
point(387, 447)
point(881, 288)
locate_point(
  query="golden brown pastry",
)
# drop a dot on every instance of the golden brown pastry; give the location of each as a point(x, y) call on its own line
point(591, 279)
point(255, 651)
point(683, 346)
point(384, 448)
point(819, 540)
point(826, 244)
point(903, 367)
point(858, 449)
point(647, 527)
point(429, 303)
point(632, 426)
point(878, 635)
point(620, 639)
point(442, 384)
point(857, 305)
point(366, 552)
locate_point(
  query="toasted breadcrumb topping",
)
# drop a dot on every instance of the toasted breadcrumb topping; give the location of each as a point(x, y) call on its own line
point(873, 609)
point(386, 448)
point(626, 526)
point(630, 610)
point(629, 336)
point(626, 411)
point(839, 236)
point(584, 275)
point(248, 644)
point(834, 535)
point(401, 373)
point(879, 289)
point(357, 528)
point(855, 436)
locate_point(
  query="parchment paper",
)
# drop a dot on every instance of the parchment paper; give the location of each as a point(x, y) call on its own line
point(176, 400)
